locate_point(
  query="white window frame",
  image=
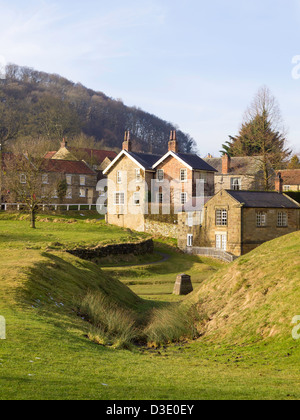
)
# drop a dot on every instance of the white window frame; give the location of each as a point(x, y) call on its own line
point(82, 180)
point(138, 176)
point(183, 198)
point(282, 219)
point(54, 194)
point(261, 219)
point(69, 194)
point(190, 240)
point(69, 179)
point(183, 178)
point(45, 179)
point(84, 193)
point(136, 198)
point(119, 202)
point(23, 179)
point(119, 177)
point(221, 217)
point(160, 178)
point(286, 188)
point(236, 184)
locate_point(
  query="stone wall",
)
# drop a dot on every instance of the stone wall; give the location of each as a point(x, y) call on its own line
point(139, 248)
point(161, 229)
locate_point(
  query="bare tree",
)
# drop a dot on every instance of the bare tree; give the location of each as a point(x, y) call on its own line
point(262, 135)
point(26, 181)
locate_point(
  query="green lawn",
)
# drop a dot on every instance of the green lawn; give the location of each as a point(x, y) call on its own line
point(47, 355)
point(60, 231)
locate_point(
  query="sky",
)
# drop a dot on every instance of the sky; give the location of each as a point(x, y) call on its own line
point(197, 64)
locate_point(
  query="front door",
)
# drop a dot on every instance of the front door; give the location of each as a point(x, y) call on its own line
point(190, 240)
point(221, 241)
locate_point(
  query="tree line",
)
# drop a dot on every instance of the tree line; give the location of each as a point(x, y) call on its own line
point(41, 105)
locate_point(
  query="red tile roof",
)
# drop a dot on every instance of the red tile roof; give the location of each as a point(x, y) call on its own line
point(67, 167)
point(290, 176)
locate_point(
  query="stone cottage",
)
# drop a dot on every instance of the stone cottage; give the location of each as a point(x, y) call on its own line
point(239, 221)
point(240, 173)
point(291, 179)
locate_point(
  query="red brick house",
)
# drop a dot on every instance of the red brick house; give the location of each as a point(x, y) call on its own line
point(140, 182)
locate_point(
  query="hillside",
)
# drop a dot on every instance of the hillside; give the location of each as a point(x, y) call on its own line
point(254, 298)
point(38, 104)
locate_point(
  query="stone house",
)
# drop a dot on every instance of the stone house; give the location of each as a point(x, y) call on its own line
point(81, 181)
point(239, 221)
point(143, 187)
point(291, 179)
point(98, 160)
point(239, 173)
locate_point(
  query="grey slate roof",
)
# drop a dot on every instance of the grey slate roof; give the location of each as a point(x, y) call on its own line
point(146, 160)
point(238, 165)
point(263, 199)
point(196, 162)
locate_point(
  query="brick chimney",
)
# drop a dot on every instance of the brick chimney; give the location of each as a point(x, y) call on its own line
point(127, 142)
point(64, 144)
point(226, 160)
point(173, 144)
point(279, 183)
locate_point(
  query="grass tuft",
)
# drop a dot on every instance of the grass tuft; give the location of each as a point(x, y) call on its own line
point(111, 324)
point(171, 324)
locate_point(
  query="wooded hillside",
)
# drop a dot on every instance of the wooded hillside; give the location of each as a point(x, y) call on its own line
point(38, 104)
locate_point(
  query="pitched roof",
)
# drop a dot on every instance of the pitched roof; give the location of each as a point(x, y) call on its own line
point(67, 167)
point(248, 165)
point(97, 155)
point(263, 199)
point(290, 176)
point(147, 160)
point(194, 162)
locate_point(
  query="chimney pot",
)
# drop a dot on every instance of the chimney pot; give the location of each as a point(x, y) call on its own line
point(64, 143)
point(127, 142)
point(173, 144)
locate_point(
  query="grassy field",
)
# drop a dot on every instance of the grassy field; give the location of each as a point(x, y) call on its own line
point(47, 354)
